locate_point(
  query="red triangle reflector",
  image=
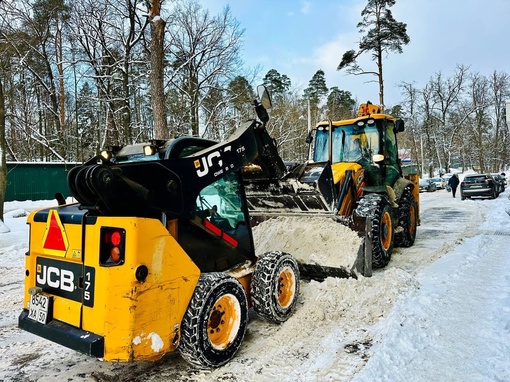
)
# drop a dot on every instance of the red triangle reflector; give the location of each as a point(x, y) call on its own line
point(54, 238)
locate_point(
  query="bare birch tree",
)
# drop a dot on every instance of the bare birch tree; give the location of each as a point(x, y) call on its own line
point(3, 163)
point(109, 34)
point(446, 95)
point(500, 90)
point(204, 55)
point(31, 29)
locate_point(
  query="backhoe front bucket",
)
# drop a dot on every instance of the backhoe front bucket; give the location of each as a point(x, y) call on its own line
point(362, 265)
point(307, 193)
point(306, 190)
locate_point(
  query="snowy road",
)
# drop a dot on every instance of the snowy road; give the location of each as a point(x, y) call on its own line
point(439, 311)
point(456, 327)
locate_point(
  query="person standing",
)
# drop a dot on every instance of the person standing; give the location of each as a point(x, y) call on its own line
point(453, 182)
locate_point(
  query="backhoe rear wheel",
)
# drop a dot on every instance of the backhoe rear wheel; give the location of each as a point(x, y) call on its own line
point(214, 325)
point(408, 220)
point(383, 235)
point(275, 286)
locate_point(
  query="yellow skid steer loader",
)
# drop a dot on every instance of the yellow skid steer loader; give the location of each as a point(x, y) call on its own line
point(157, 254)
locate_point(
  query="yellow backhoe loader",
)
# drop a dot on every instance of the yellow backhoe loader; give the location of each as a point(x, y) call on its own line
point(354, 176)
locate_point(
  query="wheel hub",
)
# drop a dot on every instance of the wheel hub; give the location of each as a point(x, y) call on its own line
point(286, 287)
point(223, 322)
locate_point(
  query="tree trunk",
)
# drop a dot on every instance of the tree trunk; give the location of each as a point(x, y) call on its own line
point(53, 96)
point(156, 74)
point(193, 91)
point(3, 164)
point(126, 110)
point(62, 93)
point(380, 77)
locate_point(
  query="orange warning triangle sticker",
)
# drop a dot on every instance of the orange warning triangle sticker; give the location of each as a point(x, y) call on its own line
point(55, 239)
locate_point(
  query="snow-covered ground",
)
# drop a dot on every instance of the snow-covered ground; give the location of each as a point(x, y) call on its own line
point(440, 311)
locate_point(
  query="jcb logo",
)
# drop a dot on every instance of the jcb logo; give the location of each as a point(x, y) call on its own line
point(206, 163)
point(66, 279)
point(56, 278)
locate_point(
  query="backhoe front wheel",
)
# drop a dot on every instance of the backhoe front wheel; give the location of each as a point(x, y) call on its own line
point(275, 286)
point(408, 220)
point(382, 234)
point(214, 325)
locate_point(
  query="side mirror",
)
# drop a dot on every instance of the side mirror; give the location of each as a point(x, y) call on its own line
point(264, 104)
point(264, 97)
point(399, 125)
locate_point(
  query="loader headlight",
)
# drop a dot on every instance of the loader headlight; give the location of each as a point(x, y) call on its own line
point(377, 158)
point(149, 150)
point(107, 155)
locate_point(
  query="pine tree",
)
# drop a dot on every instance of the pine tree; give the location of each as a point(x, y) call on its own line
point(383, 34)
point(316, 91)
point(278, 84)
point(340, 104)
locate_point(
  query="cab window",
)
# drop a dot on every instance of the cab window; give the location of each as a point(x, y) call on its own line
point(221, 204)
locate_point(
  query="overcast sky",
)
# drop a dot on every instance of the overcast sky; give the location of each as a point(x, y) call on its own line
point(298, 37)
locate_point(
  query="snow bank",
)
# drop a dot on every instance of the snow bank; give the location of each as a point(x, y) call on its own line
point(326, 337)
point(4, 228)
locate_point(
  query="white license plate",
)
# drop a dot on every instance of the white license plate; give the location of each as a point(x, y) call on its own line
point(38, 308)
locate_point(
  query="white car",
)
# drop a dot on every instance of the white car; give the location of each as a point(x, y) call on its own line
point(446, 178)
point(440, 183)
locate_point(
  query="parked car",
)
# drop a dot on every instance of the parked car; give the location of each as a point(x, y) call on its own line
point(427, 185)
point(446, 178)
point(501, 182)
point(482, 185)
point(440, 183)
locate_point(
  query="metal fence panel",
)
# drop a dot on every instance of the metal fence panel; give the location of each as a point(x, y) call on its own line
point(36, 180)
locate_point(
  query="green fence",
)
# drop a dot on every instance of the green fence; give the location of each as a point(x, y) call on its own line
point(36, 180)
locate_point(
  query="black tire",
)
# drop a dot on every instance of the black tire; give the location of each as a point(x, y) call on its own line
point(383, 235)
point(214, 324)
point(408, 220)
point(275, 286)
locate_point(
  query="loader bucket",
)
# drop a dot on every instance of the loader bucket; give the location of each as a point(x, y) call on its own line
point(307, 195)
point(307, 190)
point(321, 272)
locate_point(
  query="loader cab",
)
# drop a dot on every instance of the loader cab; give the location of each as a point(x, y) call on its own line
point(369, 141)
point(219, 235)
point(216, 236)
point(350, 143)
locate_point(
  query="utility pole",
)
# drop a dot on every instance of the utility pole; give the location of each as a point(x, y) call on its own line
point(507, 115)
point(310, 117)
point(421, 149)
